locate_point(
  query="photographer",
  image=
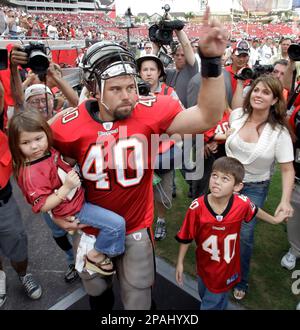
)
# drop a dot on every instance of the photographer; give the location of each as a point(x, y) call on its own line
point(178, 78)
point(151, 70)
point(39, 97)
point(277, 71)
point(186, 66)
point(185, 62)
point(52, 78)
point(240, 57)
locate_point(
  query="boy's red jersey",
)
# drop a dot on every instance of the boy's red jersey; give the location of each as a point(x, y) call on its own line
point(218, 239)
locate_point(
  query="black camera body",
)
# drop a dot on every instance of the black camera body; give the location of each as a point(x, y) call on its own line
point(255, 72)
point(294, 52)
point(38, 60)
point(144, 88)
point(162, 32)
point(3, 59)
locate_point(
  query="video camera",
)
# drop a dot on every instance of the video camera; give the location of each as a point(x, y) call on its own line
point(38, 60)
point(294, 52)
point(255, 72)
point(3, 59)
point(144, 88)
point(162, 32)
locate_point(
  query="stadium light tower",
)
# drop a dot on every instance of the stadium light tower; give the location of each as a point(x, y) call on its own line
point(128, 22)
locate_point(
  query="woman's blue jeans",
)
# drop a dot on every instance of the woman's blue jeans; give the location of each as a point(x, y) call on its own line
point(257, 192)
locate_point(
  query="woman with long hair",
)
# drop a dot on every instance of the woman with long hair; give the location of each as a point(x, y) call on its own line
point(259, 138)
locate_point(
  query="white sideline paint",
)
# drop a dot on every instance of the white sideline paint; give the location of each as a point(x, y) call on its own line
point(162, 268)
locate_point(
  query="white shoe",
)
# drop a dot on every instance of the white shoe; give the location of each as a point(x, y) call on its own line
point(2, 287)
point(288, 261)
point(298, 307)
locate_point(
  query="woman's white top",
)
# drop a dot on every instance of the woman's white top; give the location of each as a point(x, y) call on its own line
point(258, 158)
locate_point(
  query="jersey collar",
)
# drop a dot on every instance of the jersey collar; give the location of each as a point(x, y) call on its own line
point(214, 214)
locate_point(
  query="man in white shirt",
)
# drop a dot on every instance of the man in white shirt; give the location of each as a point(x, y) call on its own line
point(52, 31)
point(254, 57)
point(266, 52)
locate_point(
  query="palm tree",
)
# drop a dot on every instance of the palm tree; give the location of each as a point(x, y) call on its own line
point(189, 15)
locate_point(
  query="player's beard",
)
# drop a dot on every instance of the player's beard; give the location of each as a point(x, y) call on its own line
point(120, 114)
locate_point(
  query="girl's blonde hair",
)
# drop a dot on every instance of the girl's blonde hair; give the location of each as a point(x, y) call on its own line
point(27, 121)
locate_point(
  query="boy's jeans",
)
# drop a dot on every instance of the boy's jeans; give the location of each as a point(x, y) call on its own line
point(210, 300)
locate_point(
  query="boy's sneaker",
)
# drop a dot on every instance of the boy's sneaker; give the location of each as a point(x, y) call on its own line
point(2, 287)
point(71, 274)
point(288, 261)
point(31, 287)
point(160, 230)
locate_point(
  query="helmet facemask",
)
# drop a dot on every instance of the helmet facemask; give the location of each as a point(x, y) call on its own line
point(105, 60)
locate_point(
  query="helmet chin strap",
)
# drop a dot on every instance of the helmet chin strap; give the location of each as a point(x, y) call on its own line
point(102, 93)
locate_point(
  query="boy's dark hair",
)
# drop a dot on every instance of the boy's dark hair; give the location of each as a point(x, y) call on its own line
point(230, 165)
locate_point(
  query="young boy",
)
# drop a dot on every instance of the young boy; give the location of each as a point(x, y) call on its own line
point(214, 221)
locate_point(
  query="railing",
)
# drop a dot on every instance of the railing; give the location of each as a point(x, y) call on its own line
point(52, 44)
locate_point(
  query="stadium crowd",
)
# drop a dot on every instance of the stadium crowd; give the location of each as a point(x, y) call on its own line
point(249, 124)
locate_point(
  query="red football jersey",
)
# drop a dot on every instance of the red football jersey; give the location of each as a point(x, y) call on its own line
point(220, 128)
point(115, 157)
point(218, 239)
point(5, 160)
point(39, 179)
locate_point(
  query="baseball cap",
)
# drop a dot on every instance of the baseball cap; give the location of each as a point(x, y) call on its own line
point(36, 89)
point(242, 47)
point(151, 57)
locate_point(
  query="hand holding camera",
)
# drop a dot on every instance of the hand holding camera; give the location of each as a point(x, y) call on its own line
point(33, 56)
point(255, 72)
point(18, 56)
point(162, 32)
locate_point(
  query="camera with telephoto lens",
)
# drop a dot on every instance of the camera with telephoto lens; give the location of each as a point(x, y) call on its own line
point(162, 32)
point(294, 52)
point(38, 60)
point(255, 72)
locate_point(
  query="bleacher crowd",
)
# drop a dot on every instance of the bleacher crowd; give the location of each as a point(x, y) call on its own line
point(246, 120)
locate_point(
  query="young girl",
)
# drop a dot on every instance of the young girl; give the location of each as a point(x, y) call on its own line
point(50, 184)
